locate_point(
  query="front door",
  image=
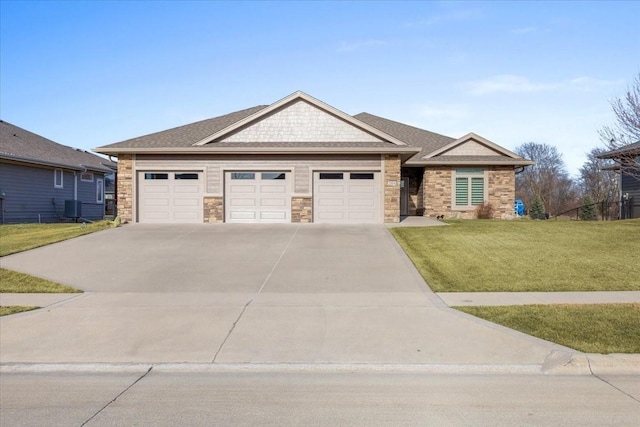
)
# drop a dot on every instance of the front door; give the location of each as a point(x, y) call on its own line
point(404, 197)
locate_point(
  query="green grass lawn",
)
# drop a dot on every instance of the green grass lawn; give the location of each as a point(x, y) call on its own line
point(595, 328)
point(15, 282)
point(13, 309)
point(524, 255)
point(21, 237)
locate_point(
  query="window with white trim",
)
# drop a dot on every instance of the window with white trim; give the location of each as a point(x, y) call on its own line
point(86, 177)
point(99, 190)
point(469, 187)
point(58, 176)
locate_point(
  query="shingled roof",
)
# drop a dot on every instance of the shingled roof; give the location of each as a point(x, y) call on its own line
point(416, 146)
point(425, 140)
point(187, 135)
point(18, 144)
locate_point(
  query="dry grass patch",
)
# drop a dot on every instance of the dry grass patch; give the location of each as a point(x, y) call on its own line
point(523, 255)
point(592, 328)
point(15, 282)
point(21, 237)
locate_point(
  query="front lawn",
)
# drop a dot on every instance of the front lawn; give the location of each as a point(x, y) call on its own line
point(21, 237)
point(524, 255)
point(594, 328)
point(13, 309)
point(15, 282)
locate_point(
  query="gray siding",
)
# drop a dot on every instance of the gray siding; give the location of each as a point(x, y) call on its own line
point(30, 196)
point(631, 186)
point(300, 165)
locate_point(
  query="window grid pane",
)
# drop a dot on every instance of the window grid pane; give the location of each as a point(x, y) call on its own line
point(462, 191)
point(477, 191)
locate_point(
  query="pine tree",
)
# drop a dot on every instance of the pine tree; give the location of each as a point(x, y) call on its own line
point(537, 209)
point(588, 210)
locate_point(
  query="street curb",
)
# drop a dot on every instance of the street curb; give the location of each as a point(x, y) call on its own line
point(574, 365)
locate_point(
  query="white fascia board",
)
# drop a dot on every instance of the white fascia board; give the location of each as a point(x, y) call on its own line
point(445, 162)
point(286, 100)
point(260, 150)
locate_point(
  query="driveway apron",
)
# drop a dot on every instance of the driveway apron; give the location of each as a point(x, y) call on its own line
point(233, 293)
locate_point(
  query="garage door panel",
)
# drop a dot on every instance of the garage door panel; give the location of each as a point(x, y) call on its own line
point(186, 202)
point(359, 189)
point(269, 215)
point(186, 189)
point(273, 203)
point(242, 202)
point(243, 215)
point(169, 197)
point(330, 189)
point(361, 203)
point(346, 197)
point(330, 202)
point(266, 199)
point(152, 202)
point(273, 189)
point(238, 189)
point(156, 189)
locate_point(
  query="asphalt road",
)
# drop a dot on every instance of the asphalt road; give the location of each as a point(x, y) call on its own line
point(315, 398)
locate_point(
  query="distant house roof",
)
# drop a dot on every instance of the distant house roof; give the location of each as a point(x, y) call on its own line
point(18, 144)
point(627, 150)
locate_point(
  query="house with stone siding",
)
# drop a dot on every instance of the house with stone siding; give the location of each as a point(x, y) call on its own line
point(300, 160)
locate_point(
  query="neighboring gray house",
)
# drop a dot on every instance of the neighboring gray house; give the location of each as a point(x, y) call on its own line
point(37, 177)
point(627, 159)
point(301, 160)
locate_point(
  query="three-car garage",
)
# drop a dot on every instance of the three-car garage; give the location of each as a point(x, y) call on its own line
point(260, 196)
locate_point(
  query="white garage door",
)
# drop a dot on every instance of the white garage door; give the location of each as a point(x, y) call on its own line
point(257, 197)
point(346, 197)
point(170, 197)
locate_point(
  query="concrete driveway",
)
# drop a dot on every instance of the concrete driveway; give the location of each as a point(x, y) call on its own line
point(251, 294)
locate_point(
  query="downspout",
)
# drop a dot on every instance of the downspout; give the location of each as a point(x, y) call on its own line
point(75, 185)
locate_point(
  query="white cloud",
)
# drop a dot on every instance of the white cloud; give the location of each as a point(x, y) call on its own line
point(508, 83)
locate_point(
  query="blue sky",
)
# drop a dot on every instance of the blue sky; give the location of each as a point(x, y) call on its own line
point(86, 74)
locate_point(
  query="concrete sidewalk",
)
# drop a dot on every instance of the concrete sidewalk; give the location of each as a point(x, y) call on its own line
point(453, 299)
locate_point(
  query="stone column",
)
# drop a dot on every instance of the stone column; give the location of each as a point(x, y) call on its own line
point(391, 188)
point(125, 187)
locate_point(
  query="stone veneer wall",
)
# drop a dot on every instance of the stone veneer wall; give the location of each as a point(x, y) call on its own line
point(125, 187)
point(436, 189)
point(213, 209)
point(438, 192)
point(301, 209)
point(502, 190)
point(391, 188)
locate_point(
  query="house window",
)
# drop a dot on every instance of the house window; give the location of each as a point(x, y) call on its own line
point(331, 175)
point(361, 176)
point(273, 175)
point(186, 176)
point(58, 175)
point(151, 175)
point(469, 188)
point(86, 177)
point(243, 175)
point(99, 191)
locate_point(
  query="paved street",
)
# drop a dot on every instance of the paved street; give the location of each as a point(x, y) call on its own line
point(315, 398)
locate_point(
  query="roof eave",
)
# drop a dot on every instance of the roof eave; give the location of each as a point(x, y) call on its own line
point(258, 150)
point(79, 168)
point(507, 162)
